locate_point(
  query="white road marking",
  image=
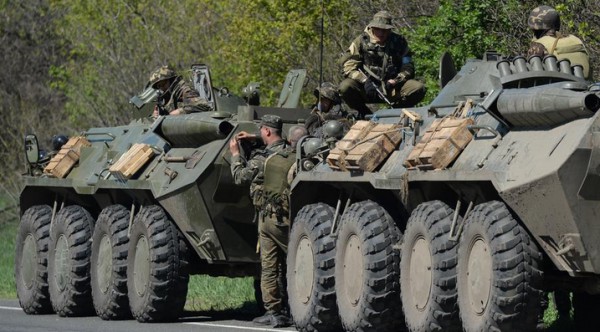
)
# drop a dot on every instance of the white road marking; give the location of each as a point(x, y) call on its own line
point(235, 327)
point(10, 308)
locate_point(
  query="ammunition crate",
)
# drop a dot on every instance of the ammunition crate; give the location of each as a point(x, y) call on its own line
point(365, 146)
point(131, 161)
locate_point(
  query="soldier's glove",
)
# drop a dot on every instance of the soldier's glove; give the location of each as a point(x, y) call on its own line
point(401, 78)
point(370, 89)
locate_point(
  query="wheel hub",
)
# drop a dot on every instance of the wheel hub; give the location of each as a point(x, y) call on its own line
point(420, 273)
point(104, 266)
point(353, 270)
point(304, 270)
point(141, 266)
point(28, 261)
point(479, 275)
point(61, 266)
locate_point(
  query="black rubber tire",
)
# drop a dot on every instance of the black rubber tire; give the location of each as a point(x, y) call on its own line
point(31, 263)
point(69, 284)
point(426, 236)
point(586, 311)
point(367, 270)
point(317, 311)
point(160, 294)
point(496, 245)
point(110, 244)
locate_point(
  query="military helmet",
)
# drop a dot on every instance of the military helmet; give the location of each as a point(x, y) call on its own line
point(161, 74)
point(333, 128)
point(381, 20)
point(312, 145)
point(329, 91)
point(58, 141)
point(544, 18)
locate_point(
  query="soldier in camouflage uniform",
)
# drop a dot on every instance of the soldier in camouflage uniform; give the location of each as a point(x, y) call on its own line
point(379, 59)
point(176, 96)
point(274, 224)
point(328, 107)
point(544, 21)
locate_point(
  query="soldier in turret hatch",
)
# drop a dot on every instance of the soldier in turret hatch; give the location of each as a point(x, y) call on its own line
point(175, 95)
point(544, 21)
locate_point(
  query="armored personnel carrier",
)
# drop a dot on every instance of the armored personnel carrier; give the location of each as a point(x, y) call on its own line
point(117, 225)
point(490, 200)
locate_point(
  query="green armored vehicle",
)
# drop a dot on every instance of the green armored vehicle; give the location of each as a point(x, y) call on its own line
point(101, 239)
point(474, 243)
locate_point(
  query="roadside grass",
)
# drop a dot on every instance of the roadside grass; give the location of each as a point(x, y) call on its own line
point(214, 294)
point(207, 294)
point(8, 234)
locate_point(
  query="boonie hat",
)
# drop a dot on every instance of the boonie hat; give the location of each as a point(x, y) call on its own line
point(382, 20)
point(271, 121)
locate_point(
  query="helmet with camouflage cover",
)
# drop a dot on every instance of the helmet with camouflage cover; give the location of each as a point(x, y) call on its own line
point(544, 18)
point(329, 91)
point(161, 74)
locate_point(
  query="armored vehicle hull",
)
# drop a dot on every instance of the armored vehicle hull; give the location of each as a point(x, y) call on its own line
point(115, 223)
point(476, 242)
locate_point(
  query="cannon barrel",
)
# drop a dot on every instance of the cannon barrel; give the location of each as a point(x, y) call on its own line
point(545, 106)
point(193, 130)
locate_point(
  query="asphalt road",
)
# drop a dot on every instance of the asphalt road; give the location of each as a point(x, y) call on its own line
point(13, 319)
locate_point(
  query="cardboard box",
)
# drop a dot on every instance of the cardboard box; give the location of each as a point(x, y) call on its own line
point(132, 161)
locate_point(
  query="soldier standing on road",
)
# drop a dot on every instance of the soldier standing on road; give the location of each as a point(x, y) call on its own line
point(544, 21)
point(379, 59)
point(266, 175)
point(175, 95)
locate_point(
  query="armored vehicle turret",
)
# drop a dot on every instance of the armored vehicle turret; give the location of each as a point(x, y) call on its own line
point(121, 216)
point(489, 201)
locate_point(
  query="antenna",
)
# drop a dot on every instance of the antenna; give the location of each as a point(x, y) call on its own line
point(322, 33)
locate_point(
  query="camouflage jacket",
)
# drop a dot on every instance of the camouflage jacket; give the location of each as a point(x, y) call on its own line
point(316, 119)
point(385, 61)
point(186, 98)
point(252, 171)
point(563, 47)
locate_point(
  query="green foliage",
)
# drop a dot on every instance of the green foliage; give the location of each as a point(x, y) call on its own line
point(460, 28)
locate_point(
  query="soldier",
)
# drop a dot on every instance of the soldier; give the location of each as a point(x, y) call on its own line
point(379, 61)
point(295, 134)
point(267, 175)
point(175, 96)
point(328, 107)
point(544, 21)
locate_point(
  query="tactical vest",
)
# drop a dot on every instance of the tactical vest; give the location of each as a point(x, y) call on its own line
point(568, 47)
point(276, 186)
point(383, 60)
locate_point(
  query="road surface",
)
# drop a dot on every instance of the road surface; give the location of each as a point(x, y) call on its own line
point(13, 319)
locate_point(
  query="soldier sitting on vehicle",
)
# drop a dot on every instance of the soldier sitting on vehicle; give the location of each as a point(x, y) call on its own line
point(544, 21)
point(175, 95)
point(378, 68)
point(328, 107)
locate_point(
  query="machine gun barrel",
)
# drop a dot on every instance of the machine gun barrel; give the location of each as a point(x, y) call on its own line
point(193, 130)
point(543, 106)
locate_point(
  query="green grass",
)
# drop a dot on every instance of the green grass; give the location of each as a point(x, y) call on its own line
point(219, 294)
point(8, 233)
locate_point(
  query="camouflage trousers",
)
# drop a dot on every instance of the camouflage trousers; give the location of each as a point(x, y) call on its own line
point(273, 236)
point(403, 95)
